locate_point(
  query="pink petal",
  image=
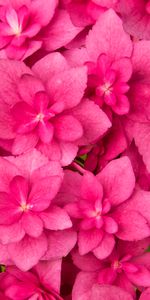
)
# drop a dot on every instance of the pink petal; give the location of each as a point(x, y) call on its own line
point(7, 122)
point(26, 253)
point(141, 277)
point(60, 243)
point(41, 101)
point(46, 131)
point(28, 86)
point(43, 11)
point(108, 292)
point(74, 210)
point(107, 276)
point(43, 191)
point(110, 225)
point(88, 262)
point(60, 31)
point(134, 248)
point(105, 247)
point(12, 233)
point(25, 117)
point(123, 282)
point(49, 273)
point(33, 47)
point(10, 72)
point(68, 86)
point(94, 121)
point(108, 36)
point(24, 143)
point(83, 291)
point(9, 210)
point(141, 137)
point(67, 128)
point(19, 187)
point(50, 65)
point(132, 225)
point(32, 161)
point(118, 180)
point(91, 190)
point(123, 67)
point(68, 152)
point(21, 290)
point(145, 295)
point(122, 106)
point(8, 171)
point(89, 240)
point(32, 224)
point(56, 218)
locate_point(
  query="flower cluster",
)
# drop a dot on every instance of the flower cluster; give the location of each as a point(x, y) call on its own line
point(74, 150)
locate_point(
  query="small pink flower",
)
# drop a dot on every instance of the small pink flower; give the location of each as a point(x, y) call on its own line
point(42, 282)
point(127, 266)
point(46, 109)
point(20, 24)
point(29, 214)
point(95, 202)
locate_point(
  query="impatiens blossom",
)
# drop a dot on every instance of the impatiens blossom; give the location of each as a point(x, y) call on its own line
point(94, 201)
point(21, 21)
point(74, 150)
point(108, 58)
point(127, 266)
point(29, 25)
point(42, 282)
point(28, 185)
point(45, 109)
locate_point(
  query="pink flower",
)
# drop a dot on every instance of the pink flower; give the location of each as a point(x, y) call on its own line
point(46, 109)
point(108, 58)
point(127, 266)
point(41, 282)
point(27, 26)
point(20, 24)
point(29, 216)
point(94, 202)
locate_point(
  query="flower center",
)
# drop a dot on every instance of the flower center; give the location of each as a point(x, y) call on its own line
point(116, 265)
point(40, 117)
point(106, 88)
point(24, 206)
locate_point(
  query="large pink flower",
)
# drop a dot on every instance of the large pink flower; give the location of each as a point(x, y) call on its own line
point(29, 216)
point(45, 109)
point(42, 282)
point(127, 266)
point(27, 26)
point(94, 204)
